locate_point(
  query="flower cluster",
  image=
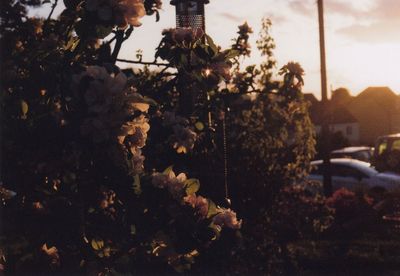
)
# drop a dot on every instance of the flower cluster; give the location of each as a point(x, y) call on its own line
point(118, 12)
point(227, 218)
point(199, 203)
point(242, 42)
point(293, 74)
point(168, 180)
point(347, 202)
point(222, 69)
point(152, 6)
point(184, 138)
point(183, 35)
point(184, 190)
point(111, 107)
point(107, 199)
point(52, 255)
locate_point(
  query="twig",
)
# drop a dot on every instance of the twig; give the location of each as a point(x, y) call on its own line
point(52, 10)
point(144, 62)
point(120, 39)
point(120, 36)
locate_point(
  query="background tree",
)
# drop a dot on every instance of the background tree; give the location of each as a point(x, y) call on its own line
point(340, 97)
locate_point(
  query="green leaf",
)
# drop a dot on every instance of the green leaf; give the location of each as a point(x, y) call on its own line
point(69, 4)
point(150, 101)
point(97, 244)
point(24, 108)
point(6, 194)
point(168, 170)
point(211, 44)
point(199, 126)
point(181, 268)
point(216, 230)
point(82, 263)
point(192, 186)
point(133, 230)
point(183, 61)
point(201, 53)
point(137, 188)
point(102, 31)
point(212, 209)
point(72, 43)
point(228, 54)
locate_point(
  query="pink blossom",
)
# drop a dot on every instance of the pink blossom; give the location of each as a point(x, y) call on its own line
point(184, 138)
point(170, 118)
point(182, 35)
point(227, 217)
point(223, 69)
point(52, 254)
point(174, 184)
point(199, 203)
point(137, 161)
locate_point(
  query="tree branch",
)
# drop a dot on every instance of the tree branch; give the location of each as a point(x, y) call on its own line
point(52, 10)
point(152, 63)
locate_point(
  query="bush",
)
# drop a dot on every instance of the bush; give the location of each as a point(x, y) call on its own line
point(354, 213)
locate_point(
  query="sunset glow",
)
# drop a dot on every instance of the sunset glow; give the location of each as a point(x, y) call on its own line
point(362, 37)
point(363, 43)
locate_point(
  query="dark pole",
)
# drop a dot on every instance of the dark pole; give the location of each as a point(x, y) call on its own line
point(325, 141)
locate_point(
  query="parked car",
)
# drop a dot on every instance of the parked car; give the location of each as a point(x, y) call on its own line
point(387, 153)
point(354, 174)
point(359, 153)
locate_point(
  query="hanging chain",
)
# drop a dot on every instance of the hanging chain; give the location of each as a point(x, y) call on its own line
point(225, 148)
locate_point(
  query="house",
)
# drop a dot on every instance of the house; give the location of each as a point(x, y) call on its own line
point(360, 119)
point(377, 110)
point(340, 119)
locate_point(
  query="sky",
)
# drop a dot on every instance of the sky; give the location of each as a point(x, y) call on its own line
point(362, 37)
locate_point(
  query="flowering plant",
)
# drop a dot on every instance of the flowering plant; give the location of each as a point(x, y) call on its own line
point(77, 128)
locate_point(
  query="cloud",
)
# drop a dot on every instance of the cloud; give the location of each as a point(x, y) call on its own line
point(276, 19)
point(302, 7)
point(231, 17)
point(385, 9)
point(310, 8)
point(382, 20)
point(371, 21)
point(342, 8)
point(383, 31)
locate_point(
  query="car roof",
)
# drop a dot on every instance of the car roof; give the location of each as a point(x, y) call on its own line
point(360, 165)
point(396, 135)
point(351, 149)
point(343, 161)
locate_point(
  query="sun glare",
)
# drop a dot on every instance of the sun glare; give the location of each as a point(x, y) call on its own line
point(375, 65)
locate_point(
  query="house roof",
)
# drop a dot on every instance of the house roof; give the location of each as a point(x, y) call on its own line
point(338, 114)
point(377, 91)
point(383, 96)
point(341, 115)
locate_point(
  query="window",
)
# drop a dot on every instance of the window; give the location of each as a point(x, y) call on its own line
point(349, 130)
point(362, 155)
point(382, 147)
point(396, 145)
point(347, 171)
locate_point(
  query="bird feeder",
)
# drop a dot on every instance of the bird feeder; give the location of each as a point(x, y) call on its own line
point(190, 14)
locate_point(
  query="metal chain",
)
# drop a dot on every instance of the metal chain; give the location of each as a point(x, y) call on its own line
point(225, 148)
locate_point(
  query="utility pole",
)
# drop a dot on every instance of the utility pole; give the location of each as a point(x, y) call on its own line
point(325, 136)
